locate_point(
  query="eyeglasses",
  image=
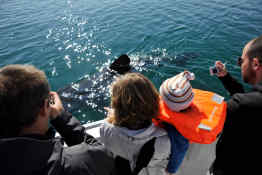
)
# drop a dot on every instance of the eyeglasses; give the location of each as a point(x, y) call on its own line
point(239, 61)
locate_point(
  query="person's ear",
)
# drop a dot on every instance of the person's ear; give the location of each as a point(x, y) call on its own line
point(256, 64)
point(45, 108)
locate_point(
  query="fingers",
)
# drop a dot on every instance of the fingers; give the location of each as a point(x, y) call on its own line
point(221, 69)
point(109, 110)
point(219, 64)
point(56, 105)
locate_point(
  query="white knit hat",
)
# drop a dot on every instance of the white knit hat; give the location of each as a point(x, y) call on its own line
point(177, 91)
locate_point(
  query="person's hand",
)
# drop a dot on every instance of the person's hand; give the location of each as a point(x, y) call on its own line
point(55, 105)
point(221, 69)
point(109, 111)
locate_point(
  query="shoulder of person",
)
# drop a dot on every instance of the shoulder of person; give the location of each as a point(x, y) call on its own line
point(248, 98)
point(84, 158)
point(244, 104)
point(162, 146)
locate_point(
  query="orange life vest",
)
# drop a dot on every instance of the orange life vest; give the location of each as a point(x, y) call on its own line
point(202, 121)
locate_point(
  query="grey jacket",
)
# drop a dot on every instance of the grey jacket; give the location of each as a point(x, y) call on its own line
point(127, 144)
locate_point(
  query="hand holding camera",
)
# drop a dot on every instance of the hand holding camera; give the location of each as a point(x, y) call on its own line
point(55, 105)
point(219, 69)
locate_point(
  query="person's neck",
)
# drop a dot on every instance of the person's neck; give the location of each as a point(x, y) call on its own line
point(32, 131)
point(39, 127)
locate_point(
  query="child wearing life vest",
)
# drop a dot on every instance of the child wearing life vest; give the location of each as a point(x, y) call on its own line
point(177, 86)
point(198, 116)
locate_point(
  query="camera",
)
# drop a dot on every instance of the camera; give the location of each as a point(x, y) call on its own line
point(213, 70)
point(51, 99)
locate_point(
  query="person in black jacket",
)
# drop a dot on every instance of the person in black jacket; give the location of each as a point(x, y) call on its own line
point(26, 147)
point(239, 142)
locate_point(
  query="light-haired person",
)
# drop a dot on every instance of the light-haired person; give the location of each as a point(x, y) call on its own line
point(134, 103)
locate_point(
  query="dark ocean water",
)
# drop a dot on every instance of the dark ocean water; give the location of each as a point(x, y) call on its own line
point(70, 39)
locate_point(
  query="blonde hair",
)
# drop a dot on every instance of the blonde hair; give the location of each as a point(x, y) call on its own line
point(134, 101)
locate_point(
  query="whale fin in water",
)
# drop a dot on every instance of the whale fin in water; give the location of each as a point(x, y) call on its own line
point(121, 65)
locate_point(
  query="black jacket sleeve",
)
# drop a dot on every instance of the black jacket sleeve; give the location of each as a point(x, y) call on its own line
point(231, 84)
point(70, 129)
point(234, 88)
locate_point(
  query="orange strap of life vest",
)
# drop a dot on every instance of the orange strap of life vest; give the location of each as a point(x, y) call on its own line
point(202, 121)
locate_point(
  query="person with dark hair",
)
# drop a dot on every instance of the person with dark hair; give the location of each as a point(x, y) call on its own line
point(22, 88)
point(237, 145)
point(134, 103)
point(26, 107)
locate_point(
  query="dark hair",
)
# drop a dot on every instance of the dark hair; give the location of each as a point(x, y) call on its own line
point(23, 90)
point(134, 101)
point(255, 49)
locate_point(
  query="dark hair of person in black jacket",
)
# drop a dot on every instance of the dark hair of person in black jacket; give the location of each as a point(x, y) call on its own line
point(24, 91)
point(255, 49)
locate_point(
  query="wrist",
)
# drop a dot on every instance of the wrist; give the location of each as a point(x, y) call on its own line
point(222, 74)
point(56, 114)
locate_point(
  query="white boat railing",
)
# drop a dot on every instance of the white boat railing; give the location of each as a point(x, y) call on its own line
point(91, 128)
